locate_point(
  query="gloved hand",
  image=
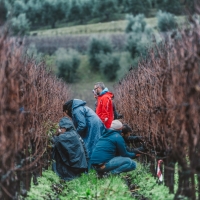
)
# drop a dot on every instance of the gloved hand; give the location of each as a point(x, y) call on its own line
point(139, 150)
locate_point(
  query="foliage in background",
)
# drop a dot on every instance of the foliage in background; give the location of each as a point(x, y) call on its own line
point(109, 65)
point(20, 25)
point(138, 35)
point(97, 47)
point(67, 62)
point(32, 52)
point(106, 8)
point(102, 59)
point(171, 6)
point(136, 7)
point(166, 21)
point(126, 62)
point(3, 12)
point(52, 13)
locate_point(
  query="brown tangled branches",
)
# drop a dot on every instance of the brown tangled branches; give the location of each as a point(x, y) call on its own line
point(161, 101)
point(30, 103)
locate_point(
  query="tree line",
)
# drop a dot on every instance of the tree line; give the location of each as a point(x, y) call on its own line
point(37, 13)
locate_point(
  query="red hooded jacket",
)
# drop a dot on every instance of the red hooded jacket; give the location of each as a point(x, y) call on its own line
point(104, 108)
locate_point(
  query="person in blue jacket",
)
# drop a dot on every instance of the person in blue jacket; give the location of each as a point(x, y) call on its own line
point(88, 125)
point(131, 140)
point(69, 152)
point(110, 153)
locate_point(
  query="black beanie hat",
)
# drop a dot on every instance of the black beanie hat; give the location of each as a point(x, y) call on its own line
point(68, 106)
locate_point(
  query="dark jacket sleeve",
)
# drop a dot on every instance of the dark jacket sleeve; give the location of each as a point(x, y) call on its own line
point(121, 148)
point(131, 139)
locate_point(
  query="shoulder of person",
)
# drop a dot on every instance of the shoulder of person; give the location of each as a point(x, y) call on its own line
point(117, 135)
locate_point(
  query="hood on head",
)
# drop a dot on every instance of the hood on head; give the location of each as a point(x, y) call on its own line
point(78, 102)
point(65, 122)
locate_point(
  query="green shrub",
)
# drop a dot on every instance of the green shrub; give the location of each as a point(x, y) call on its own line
point(67, 63)
point(166, 21)
point(138, 36)
point(32, 52)
point(125, 62)
point(96, 47)
point(135, 24)
point(109, 65)
point(20, 25)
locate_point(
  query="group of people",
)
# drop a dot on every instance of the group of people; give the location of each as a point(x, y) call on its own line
point(90, 139)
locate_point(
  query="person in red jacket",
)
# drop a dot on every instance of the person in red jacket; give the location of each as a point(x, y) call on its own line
point(104, 107)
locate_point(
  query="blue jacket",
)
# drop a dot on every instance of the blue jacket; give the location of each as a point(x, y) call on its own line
point(110, 145)
point(87, 123)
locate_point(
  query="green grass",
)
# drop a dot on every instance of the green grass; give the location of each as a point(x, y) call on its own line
point(147, 185)
point(106, 27)
point(89, 187)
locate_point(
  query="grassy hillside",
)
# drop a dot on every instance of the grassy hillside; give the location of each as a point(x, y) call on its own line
point(106, 27)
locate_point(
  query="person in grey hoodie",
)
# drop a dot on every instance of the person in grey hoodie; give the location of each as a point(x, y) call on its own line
point(87, 123)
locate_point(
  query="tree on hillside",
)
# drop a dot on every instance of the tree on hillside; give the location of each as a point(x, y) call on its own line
point(136, 7)
point(34, 11)
point(166, 21)
point(104, 9)
point(102, 59)
point(20, 25)
point(171, 6)
point(189, 6)
point(109, 65)
point(52, 11)
point(19, 7)
point(67, 63)
point(3, 12)
point(74, 10)
point(136, 23)
point(138, 35)
point(86, 10)
point(96, 47)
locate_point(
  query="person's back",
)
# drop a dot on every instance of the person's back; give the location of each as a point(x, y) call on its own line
point(105, 148)
point(108, 146)
point(68, 151)
point(87, 124)
point(110, 153)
